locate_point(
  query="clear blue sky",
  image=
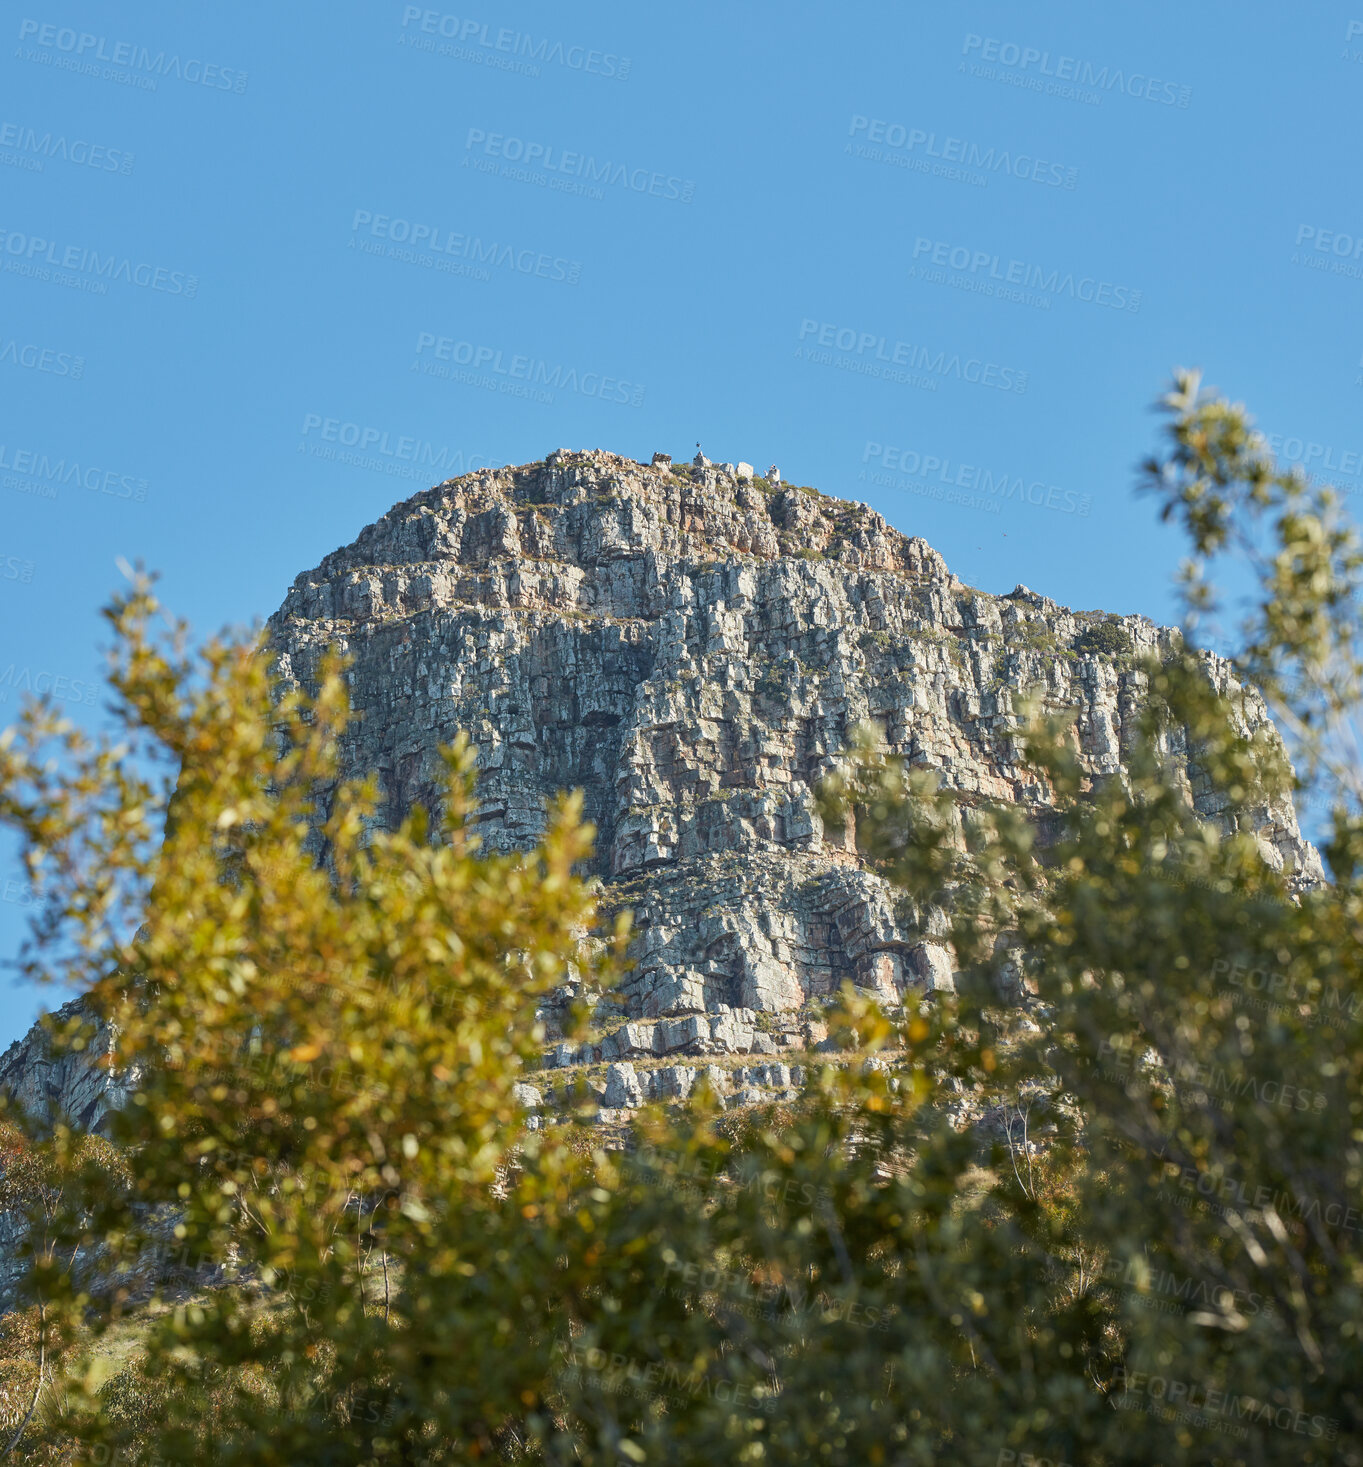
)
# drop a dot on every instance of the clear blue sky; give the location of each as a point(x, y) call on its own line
point(283, 238)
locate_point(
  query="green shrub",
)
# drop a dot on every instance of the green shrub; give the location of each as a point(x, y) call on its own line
point(1107, 639)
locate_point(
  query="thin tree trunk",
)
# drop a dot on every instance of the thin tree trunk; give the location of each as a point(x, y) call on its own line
point(37, 1389)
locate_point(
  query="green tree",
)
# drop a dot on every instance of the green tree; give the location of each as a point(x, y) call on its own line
point(48, 1172)
point(1100, 1205)
point(325, 1023)
point(1110, 638)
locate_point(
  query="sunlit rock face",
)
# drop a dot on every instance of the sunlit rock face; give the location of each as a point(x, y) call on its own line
point(692, 650)
point(50, 1079)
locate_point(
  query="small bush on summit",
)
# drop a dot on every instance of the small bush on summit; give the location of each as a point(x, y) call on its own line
point(1107, 639)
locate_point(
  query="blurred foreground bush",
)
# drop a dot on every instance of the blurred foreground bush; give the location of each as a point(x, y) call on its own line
point(1102, 1205)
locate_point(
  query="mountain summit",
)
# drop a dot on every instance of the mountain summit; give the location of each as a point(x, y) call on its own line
point(692, 647)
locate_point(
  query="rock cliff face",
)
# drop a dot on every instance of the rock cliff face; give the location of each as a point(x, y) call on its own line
point(77, 1083)
point(692, 649)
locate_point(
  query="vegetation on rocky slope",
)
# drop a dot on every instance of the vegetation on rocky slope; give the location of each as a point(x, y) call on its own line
point(1102, 1204)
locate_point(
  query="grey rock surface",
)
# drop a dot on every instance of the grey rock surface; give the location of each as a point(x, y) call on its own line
point(48, 1079)
point(692, 650)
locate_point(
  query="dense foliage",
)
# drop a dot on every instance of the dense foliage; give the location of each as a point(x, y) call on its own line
point(1109, 638)
point(1101, 1205)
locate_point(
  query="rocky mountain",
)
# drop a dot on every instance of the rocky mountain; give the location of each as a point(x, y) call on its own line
point(691, 648)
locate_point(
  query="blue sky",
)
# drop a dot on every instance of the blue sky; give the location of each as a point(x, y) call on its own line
point(266, 270)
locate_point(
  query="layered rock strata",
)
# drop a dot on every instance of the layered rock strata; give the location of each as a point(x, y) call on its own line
point(692, 650)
